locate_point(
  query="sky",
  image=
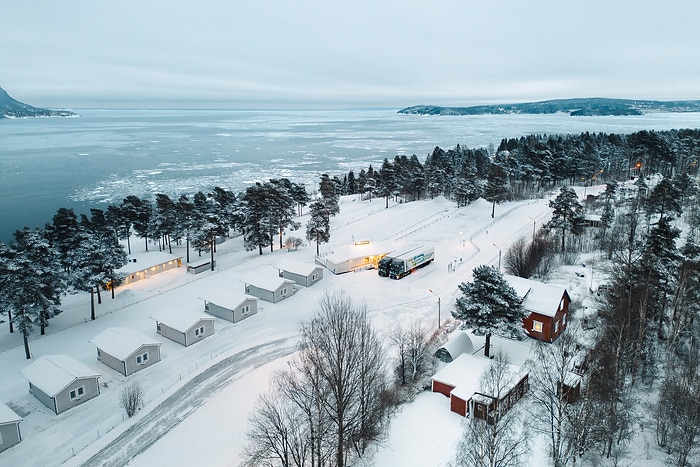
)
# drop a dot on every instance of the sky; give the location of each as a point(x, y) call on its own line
point(279, 53)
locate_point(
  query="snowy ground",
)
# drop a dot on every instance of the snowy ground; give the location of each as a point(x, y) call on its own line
point(198, 398)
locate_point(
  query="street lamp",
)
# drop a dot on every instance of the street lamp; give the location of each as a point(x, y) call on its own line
point(533, 227)
point(438, 297)
point(499, 257)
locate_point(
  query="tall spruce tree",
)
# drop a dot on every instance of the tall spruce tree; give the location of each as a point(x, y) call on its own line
point(567, 214)
point(31, 283)
point(489, 304)
point(497, 189)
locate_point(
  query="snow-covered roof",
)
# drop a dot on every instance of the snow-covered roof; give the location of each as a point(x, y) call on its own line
point(7, 415)
point(269, 281)
point(225, 298)
point(358, 250)
point(537, 296)
point(180, 319)
point(121, 342)
point(592, 217)
point(464, 373)
point(53, 373)
point(458, 344)
point(298, 267)
point(145, 260)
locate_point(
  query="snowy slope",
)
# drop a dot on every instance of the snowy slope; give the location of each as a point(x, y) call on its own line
point(201, 395)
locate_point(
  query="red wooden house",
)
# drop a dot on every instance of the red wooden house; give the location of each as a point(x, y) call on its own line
point(548, 307)
point(459, 380)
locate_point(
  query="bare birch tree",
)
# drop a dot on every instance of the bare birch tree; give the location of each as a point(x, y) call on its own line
point(502, 441)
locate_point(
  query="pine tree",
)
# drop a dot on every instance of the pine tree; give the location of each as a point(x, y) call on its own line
point(566, 214)
point(185, 223)
point(63, 234)
point(97, 259)
point(497, 188)
point(164, 219)
point(31, 283)
point(255, 212)
point(489, 304)
point(139, 213)
point(318, 228)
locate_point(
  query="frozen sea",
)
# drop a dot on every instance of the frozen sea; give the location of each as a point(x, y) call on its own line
point(106, 154)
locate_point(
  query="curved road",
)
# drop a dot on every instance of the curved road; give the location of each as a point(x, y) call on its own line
point(186, 400)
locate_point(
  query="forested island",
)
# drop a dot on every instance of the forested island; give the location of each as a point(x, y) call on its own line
point(596, 106)
point(12, 108)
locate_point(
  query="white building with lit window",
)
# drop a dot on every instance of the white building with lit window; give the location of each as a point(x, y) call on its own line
point(146, 264)
point(126, 350)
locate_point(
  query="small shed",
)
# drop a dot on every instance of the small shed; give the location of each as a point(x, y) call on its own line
point(147, 264)
point(459, 380)
point(591, 220)
point(571, 387)
point(458, 344)
point(349, 258)
point(61, 382)
point(232, 306)
point(126, 350)
point(9, 428)
point(195, 267)
point(269, 287)
point(184, 326)
point(548, 307)
point(304, 274)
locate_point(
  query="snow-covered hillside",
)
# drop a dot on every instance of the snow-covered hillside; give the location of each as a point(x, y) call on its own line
point(197, 398)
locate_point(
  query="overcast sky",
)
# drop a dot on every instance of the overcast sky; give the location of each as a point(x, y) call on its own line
point(281, 53)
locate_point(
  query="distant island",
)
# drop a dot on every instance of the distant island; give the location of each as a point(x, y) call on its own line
point(11, 108)
point(595, 106)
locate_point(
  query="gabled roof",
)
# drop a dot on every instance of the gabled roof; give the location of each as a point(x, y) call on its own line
point(227, 299)
point(7, 415)
point(53, 373)
point(181, 320)
point(121, 342)
point(537, 296)
point(298, 267)
point(464, 374)
point(270, 282)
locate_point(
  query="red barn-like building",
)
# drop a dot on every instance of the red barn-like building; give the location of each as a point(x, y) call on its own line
point(459, 380)
point(548, 307)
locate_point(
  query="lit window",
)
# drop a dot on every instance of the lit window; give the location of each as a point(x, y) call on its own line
point(537, 326)
point(563, 320)
point(556, 326)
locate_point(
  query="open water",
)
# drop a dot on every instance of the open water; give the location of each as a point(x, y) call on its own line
point(105, 154)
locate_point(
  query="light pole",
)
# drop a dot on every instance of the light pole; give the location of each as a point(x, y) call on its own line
point(499, 257)
point(438, 297)
point(533, 227)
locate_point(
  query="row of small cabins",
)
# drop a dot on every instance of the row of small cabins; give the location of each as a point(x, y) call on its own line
point(61, 382)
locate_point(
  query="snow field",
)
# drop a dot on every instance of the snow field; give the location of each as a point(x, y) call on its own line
point(213, 433)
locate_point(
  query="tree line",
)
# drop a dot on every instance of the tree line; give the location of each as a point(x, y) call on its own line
point(84, 253)
point(521, 167)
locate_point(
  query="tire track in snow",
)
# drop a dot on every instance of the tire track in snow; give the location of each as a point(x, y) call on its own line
point(185, 400)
